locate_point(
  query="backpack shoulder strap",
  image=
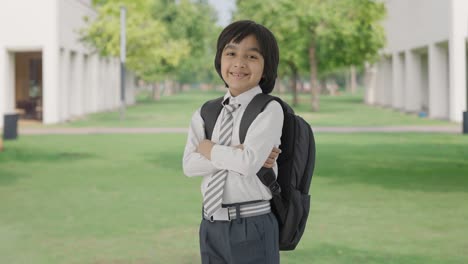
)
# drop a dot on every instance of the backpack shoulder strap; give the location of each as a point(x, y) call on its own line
point(255, 107)
point(209, 113)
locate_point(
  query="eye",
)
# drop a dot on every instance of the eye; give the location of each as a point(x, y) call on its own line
point(230, 53)
point(252, 57)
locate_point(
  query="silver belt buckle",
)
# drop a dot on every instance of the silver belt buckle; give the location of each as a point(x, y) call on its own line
point(221, 215)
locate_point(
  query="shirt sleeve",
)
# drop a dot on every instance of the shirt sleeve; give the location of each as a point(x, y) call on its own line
point(264, 133)
point(195, 164)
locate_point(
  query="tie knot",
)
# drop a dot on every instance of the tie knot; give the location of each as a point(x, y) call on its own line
point(231, 108)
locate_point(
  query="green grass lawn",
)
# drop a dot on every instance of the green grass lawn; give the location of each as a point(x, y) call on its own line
point(176, 111)
point(376, 198)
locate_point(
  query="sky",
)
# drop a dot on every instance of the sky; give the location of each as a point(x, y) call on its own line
point(224, 8)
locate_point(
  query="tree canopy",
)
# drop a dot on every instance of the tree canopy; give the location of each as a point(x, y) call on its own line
point(164, 37)
point(320, 36)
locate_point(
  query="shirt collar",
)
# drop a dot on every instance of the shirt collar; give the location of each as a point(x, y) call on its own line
point(243, 98)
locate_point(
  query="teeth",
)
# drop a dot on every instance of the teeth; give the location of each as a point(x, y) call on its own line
point(239, 74)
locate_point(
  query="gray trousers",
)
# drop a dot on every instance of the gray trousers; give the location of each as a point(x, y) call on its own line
point(246, 240)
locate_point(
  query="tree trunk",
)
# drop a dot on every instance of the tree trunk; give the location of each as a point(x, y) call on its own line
point(348, 81)
point(294, 86)
point(314, 88)
point(156, 91)
point(301, 86)
point(168, 87)
point(277, 87)
point(178, 87)
point(293, 82)
point(353, 80)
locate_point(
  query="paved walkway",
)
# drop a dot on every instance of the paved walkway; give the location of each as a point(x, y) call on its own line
point(143, 130)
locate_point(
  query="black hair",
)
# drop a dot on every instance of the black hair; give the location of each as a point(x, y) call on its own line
point(239, 30)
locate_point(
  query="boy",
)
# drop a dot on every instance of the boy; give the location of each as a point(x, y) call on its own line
point(238, 225)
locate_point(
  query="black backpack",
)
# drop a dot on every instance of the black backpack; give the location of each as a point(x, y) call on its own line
point(291, 199)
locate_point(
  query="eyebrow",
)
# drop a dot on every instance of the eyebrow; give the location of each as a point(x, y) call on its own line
point(232, 46)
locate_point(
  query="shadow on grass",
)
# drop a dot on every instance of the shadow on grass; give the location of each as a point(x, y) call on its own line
point(327, 253)
point(39, 155)
point(16, 157)
point(422, 167)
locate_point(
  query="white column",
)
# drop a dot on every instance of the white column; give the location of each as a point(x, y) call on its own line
point(438, 82)
point(7, 83)
point(3, 82)
point(85, 85)
point(388, 82)
point(457, 60)
point(115, 91)
point(94, 81)
point(116, 82)
point(50, 65)
point(51, 84)
point(78, 85)
point(370, 83)
point(424, 81)
point(102, 88)
point(110, 89)
point(413, 87)
point(64, 106)
point(130, 88)
point(380, 82)
point(398, 81)
point(72, 85)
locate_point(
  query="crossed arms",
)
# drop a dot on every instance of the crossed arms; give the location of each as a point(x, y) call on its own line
point(203, 157)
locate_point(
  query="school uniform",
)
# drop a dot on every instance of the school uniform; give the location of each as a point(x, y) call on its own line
point(244, 230)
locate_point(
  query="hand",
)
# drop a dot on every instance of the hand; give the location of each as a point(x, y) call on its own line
point(272, 158)
point(205, 147)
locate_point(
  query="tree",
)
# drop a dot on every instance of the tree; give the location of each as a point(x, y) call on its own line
point(167, 39)
point(333, 33)
point(150, 48)
point(276, 17)
point(195, 22)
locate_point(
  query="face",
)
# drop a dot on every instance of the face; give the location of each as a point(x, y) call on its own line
point(242, 65)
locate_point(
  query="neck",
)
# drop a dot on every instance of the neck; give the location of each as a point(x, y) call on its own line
point(233, 93)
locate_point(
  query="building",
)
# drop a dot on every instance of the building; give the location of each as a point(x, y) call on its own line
point(46, 73)
point(423, 67)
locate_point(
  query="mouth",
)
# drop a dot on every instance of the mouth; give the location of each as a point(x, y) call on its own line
point(238, 75)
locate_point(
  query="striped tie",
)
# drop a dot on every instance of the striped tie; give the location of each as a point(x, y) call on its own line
point(214, 193)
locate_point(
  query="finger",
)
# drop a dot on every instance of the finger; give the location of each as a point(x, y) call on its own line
point(270, 161)
point(268, 166)
point(273, 155)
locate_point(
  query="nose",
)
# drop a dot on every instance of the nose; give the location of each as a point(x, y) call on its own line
point(240, 62)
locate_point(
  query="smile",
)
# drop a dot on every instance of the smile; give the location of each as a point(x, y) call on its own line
point(238, 75)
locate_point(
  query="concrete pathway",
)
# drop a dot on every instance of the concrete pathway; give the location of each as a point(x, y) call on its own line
point(143, 130)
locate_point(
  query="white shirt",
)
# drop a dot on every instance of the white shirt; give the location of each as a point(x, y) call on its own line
point(242, 183)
